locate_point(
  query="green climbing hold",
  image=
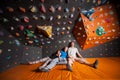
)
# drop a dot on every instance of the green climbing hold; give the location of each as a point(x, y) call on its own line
point(100, 31)
point(29, 33)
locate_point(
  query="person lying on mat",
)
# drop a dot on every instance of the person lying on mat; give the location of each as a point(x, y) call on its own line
point(46, 60)
point(61, 59)
point(72, 56)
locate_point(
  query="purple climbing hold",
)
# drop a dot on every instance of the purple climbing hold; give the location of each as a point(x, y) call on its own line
point(71, 15)
point(1, 11)
point(59, 8)
point(51, 18)
point(1, 33)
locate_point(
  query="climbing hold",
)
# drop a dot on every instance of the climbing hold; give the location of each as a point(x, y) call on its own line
point(63, 28)
point(59, 8)
point(1, 42)
point(36, 41)
point(88, 13)
point(29, 26)
point(10, 42)
point(68, 28)
point(65, 16)
point(21, 27)
point(100, 31)
point(29, 33)
point(58, 17)
point(11, 28)
point(91, 19)
point(111, 12)
point(10, 9)
point(10, 36)
point(8, 57)
point(17, 34)
point(52, 9)
point(62, 33)
point(69, 22)
point(43, 8)
point(79, 19)
point(72, 9)
point(42, 17)
point(1, 33)
point(61, 0)
point(5, 20)
point(22, 9)
point(96, 42)
point(30, 42)
point(42, 1)
point(1, 11)
point(64, 23)
point(16, 19)
point(79, 8)
point(46, 30)
point(58, 29)
point(101, 2)
point(1, 51)
point(71, 15)
point(66, 10)
point(9, 50)
point(94, 1)
point(26, 19)
point(17, 42)
point(48, 42)
point(33, 9)
point(51, 18)
point(35, 17)
point(58, 23)
point(108, 38)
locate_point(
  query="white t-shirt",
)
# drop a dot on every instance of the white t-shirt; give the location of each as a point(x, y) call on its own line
point(72, 51)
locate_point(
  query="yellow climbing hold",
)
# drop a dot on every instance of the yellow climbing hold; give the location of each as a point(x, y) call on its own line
point(45, 30)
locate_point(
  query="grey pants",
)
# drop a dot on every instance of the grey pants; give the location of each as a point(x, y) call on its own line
point(56, 61)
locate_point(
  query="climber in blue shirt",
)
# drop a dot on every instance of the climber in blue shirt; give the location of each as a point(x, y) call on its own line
point(61, 59)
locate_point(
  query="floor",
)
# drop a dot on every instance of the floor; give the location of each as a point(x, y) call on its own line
point(108, 69)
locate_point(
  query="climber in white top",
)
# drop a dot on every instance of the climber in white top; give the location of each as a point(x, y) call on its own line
point(74, 55)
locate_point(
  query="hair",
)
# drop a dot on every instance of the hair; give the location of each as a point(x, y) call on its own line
point(69, 45)
point(57, 50)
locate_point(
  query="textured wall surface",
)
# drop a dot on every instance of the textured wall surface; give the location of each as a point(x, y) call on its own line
point(12, 52)
point(20, 40)
point(101, 26)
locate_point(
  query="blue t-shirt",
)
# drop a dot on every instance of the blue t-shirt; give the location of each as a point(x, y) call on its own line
point(63, 54)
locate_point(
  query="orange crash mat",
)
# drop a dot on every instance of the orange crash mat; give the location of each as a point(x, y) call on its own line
point(108, 69)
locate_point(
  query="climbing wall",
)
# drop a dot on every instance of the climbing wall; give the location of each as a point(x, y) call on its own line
point(32, 29)
point(13, 52)
point(96, 26)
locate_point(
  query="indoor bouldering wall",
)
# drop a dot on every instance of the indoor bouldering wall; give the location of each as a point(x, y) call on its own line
point(13, 52)
point(40, 27)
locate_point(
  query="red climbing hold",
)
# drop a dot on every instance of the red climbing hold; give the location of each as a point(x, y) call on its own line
point(42, 1)
point(43, 8)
